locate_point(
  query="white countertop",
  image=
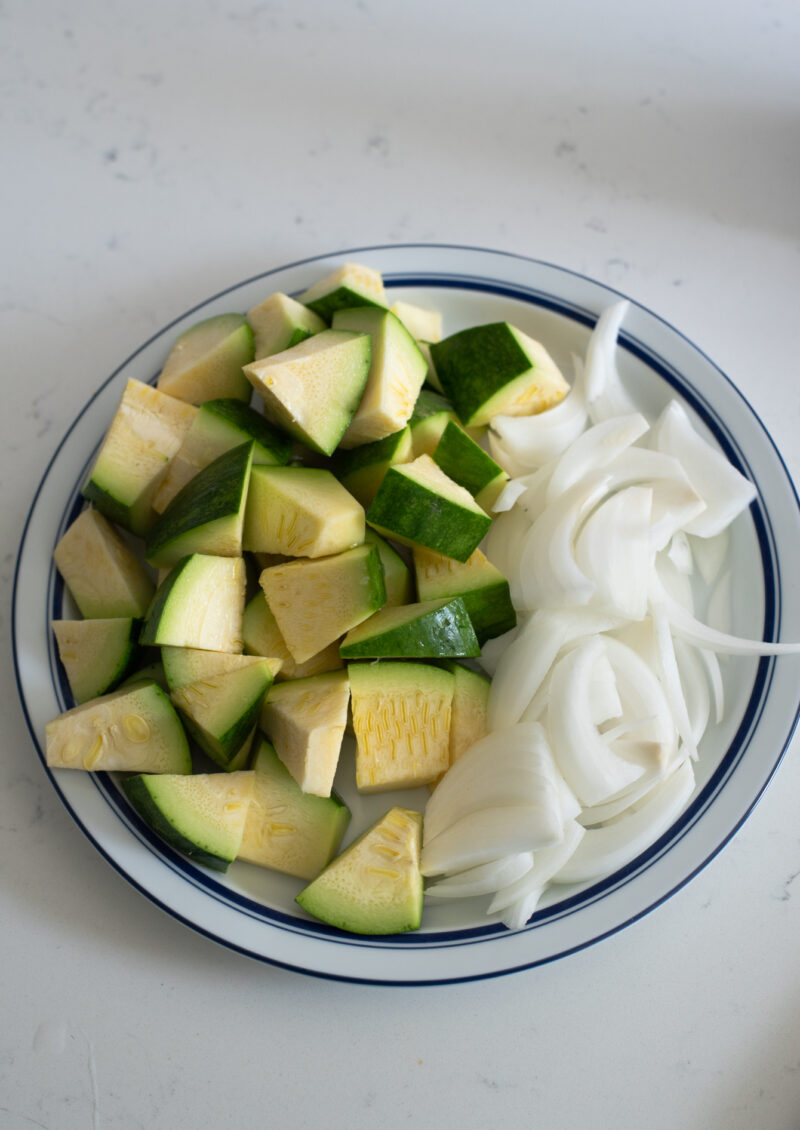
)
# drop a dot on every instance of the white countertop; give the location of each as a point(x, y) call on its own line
point(153, 156)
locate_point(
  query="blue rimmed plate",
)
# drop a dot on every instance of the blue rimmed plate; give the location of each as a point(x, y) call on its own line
point(251, 910)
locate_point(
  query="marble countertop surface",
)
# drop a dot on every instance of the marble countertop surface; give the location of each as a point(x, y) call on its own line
point(155, 154)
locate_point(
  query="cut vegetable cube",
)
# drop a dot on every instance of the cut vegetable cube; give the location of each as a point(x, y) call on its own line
point(183, 665)
point(316, 601)
point(279, 322)
point(396, 373)
point(96, 654)
point(467, 463)
point(305, 719)
point(146, 433)
point(432, 413)
point(401, 718)
point(200, 604)
point(206, 361)
point(396, 574)
point(313, 389)
point(105, 577)
point(202, 816)
point(482, 586)
point(418, 505)
point(431, 629)
point(262, 636)
point(207, 515)
point(422, 324)
point(352, 284)
point(494, 369)
point(362, 469)
point(468, 722)
point(300, 512)
point(286, 829)
point(134, 729)
point(221, 711)
point(375, 885)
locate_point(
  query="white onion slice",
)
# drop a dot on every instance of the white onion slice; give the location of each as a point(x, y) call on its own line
point(482, 880)
point(684, 624)
point(505, 457)
point(509, 495)
point(725, 491)
point(595, 450)
point(710, 554)
point(643, 697)
point(494, 650)
point(679, 551)
point(671, 680)
point(695, 687)
point(604, 850)
point(613, 549)
point(675, 501)
point(489, 834)
point(604, 390)
point(710, 661)
point(546, 863)
point(531, 441)
point(503, 547)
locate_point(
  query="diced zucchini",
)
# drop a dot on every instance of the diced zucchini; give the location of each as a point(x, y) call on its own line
point(219, 426)
point(494, 369)
point(200, 604)
point(206, 361)
point(482, 586)
point(207, 515)
point(432, 413)
point(96, 654)
point(470, 705)
point(431, 629)
point(286, 829)
point(150, 673)
point(418, 505)
point(396, 373)
point(401, 718)
point(352, 284)
point(221, 711)
point(396, 574)
point(431, 378)
point(202, 816)
point(422, 324)
point(316, 601)
point(467, 463)
point(300, 512)
point(375, 885)
point(313, 389)
point(305, 720)
point(146, 433)
point(134, 729)
point(279, 322)
point(105, 577)
point(362, 469)
point(262, 635)
point(183, 665)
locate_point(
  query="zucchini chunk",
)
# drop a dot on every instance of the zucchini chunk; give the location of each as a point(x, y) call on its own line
point(362, 469)
point(467, 463)
point(221, 711)
point(396, 574)
point(352, 284)
point(316, 601)
point(183, 665)
point(202, 816)
point(262, 636)
point(397, 370)
point(431, 629)
point(207, 515)
point(206, 361)
point(482, 586)
point(375, 885)
point(470, 705)
point(96, 654)
point(286, 829)
point(401, 719)
point(199, 604)
point(134, 729)
point(300, 512)
point(432, 413)
point(422, 324)
point(313, 389)
point(146, 432)
point(418, 505)
point(219, 426)
point(279, 322)
point(306, 719)
point(496, 369)
point(106, 579)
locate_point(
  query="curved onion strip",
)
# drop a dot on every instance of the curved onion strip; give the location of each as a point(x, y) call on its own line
point(503, 547)
point(710, 661)
point(675, 501)
point(677, 584)
point(545, 865)
point(505, 458)
point(688, 627)
point(490, 834)
point(482, 880)
point(533, 440)
point(606, 849)
point(526, 661)
point(679, 551)
point(671, 680)
point(643, 697)
point(520, 912)
point(695, 687)
point(494, 650)
point(615, 806)
point(594, 451)
point(604, 701)
point(604, 390)
point(548, 572)
point(592, 770)
point(710, 554)
point(533, 500)
point(613, 549)
point(725, 491)
point(508, 496)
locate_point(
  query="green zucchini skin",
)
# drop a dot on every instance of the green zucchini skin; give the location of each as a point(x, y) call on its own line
point(428, 630)
point(465, 461)
point(270, 441)
point(490, 610)
point(137, 791)
point(476, 363)
point(342, 298)
point(149, 634)
point(215, 494)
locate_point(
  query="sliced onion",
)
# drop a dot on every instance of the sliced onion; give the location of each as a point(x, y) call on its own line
point(710, 554)
point(504, 456)
point(594, 451)
point(503, 547)
point(509, 496)
point(616, 805)
point(671, 680)
point(482, 880)
point(531, 441)
point(685, 625)
point(675, 501)
point(494, 650)
point(695, 687)
point(725, 491)
point(604, 850)
point(490, 834)
point(710, 661)
point(613, 549)
point(679, 551)
point(546, 863)
point(604, 390)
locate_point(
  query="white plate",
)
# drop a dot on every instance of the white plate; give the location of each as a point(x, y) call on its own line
point(252, 910)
